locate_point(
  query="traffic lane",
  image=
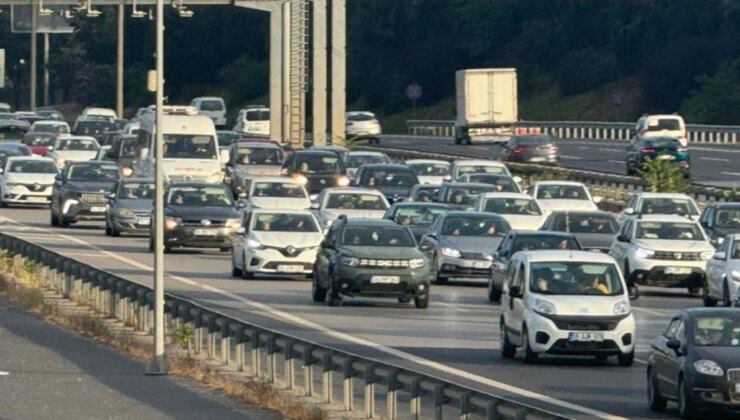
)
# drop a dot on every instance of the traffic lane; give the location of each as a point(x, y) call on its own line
point(443, 333)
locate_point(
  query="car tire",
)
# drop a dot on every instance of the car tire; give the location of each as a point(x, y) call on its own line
point(107, 229)
point(693, 290)
point(529, 355)
point(63, 222)
point(494, 293)
point(115, 233)
point(508, 350)
point(54, 219)
point(334, 298)
point(422, 302)
point(685, 405)
point(726, 301)
point(246, 275)
point(708, 300)
point(631, 290)
point(235, 271)
point(656, 402)
point(630, 170)
point(626, 359)
point(458, 140)
point(318, 292)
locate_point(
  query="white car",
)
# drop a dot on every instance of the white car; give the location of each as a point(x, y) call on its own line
point(75, 148)
point(50, 126)
point(466, 166)
point(277, 242)
point(99, 112)
point(359, 158)
point(27, 180)
point(132, 127)
point(430, 171)
point(253, 119)
point(662, 126)
point(659, 203)
point(363, 125)
point(357, 203)
point(566, 303)
point(277, 193)
point(212, 107)
point(520, 210)
point(564, 195)
point(662, 250)
point(723, 273)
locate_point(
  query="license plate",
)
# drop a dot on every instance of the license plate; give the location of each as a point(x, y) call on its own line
point(537, 159)
point(145, 221)
point(205, 232)
point(585, 336)
point(290, 268)
point(677, 270)
point(37, 199)
point(100, 209)
point(481, 264)
point(385, 280)
point(666, 157)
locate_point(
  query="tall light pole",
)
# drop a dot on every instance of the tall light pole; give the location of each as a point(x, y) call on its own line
point(32, 61)
point(158, 365)
point(119, 63)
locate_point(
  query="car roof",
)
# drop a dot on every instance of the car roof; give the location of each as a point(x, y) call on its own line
point(91, 162)
point(365, 153)
point(281, 179)
point(703, 311)
point(565, 256)
point(479, 162)
point(584, 212)
point(74, 137)
point(263, 144)
point(329, 147)
point(414, 161)
point(312, 151)
point(664, 218)
point(53, 122)
point(385, 166)
point(419, 204)
point(281, 211)
point(370, 222)
point(573, 183)
point(724, 204)
point(661, 195)
point(352, 190)
point(540, 233)
point(209, 98)
point(507, 195)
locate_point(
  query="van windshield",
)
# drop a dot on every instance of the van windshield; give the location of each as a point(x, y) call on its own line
point(575, 278)
point(211, 106)
point(661, 124)
point(189, 146)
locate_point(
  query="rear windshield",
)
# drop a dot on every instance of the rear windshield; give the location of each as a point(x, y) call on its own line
point(464, 195)
point(257, 115)
point(259, 156)
point(317, 164)
point(361, 117)
point(430, 169)
point(278, 189)
point(659, 124)
point(514, 206)
point(562, 192)
point(680, 206)
point(535, 242)
point(211, 106)
point(666, 143)
point(356, 201)
point(388, 178)
point(474, 226)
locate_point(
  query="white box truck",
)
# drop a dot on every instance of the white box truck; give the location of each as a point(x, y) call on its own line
point(486, 104)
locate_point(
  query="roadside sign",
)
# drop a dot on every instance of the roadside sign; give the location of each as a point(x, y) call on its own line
point(55, 23)
point(413, 91)
point(2, 68)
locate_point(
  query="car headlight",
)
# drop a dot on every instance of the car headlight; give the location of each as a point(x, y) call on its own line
point(621, 308)
point(451, 252)
point(170, 223)
point(251, 243)
point(235, 225)
point(300, 179)
point(60, 161)
point(68, 204)
point(708, 367)
point(124, 213)
point(349, 261)
point(342, 181)
point(706, 256)
point(416, 263)
point(644, 253)
point(544, 307)
point(127, 171)
point(735, 275)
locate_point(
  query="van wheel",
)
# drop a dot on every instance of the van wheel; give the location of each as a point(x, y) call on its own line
point(685, 405)
point(422, 302)
point(507, 349)
point(529, 355)
point(708, 300)
point(626, 359)
point(656, 402)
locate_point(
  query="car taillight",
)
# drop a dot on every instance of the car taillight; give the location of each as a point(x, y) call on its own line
point(555, 149)
point(517, 150)
point(647, 150)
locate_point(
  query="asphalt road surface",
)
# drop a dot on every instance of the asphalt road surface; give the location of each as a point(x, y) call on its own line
point(456, 338)
point(711, 164)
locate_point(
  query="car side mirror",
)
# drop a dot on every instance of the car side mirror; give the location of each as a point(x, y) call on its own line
point(327, 244)
point(50, 148)
point(629, 210)
point(425, 247)
point(110, 196)
point(59, 178)
point(495, 255)
point(598, 199)
point(674, 345)
point(515, 291)
point(315, 206)
point(242, 195)
point(623, 238)
point(720, 256)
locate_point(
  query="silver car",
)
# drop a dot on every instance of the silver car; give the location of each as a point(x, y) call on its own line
point(723, 274)
point(130, 207)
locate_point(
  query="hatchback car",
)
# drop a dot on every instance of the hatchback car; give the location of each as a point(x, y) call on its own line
point(361, 125)
point(212, 107)
point(430, 171)
point(520, 210)
point(130, 207)
point(254, 119)
point(719, 220)
point(415, 215)
point(595, 230)
point(532, 148)
point(659, 203)
point(77, 149)
point(641, 150)
point(353, 203)
point(27, 180)
point(723, 273)
point(394, 181)
point(503, 183)
point(80, 190)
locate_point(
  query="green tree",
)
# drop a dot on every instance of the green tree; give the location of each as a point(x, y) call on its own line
point(717, 100)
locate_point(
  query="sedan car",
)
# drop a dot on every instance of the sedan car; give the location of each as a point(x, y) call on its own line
point(416, 216)
point(460, 244)
point(696, 363)
point(644, 149)
point(394, 181)
point(354, 203)
point(362, 125)
point(720, 219)
point(430, 171)
point(40, 143)
point(355, 159)
point(532, 148)
point(595, 230)
point(277, 242)
point(27, 180)
point(520, 210)
point(74, 149)
point(130, 207)
point(564, 195)
point(80, 190)
point(723, 273)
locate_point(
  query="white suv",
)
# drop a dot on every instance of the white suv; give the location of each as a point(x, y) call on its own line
point(566, 303)
point(661, 126)
point(212, 107)
point(662, 250)
point(659, 203)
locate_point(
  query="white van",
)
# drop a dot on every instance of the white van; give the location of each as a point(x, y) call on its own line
point(190, 146)
point(213, 107)
point(662, 126)
point(253, 119)
point(99, 112)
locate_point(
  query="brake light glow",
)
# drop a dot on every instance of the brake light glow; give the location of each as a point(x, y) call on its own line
point(647, 150)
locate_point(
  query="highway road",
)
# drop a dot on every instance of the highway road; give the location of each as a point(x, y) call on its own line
point(711, 164)
point(456, 338)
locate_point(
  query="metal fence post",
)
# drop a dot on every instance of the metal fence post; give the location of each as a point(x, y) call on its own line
point(392, 395)
point(439, 400)
point(415, 401)
point(254, 344)
point(289, 367)
point(326, 365)
point(348, 372)
point(308, 362)
point(271, 358)
point(370, 391)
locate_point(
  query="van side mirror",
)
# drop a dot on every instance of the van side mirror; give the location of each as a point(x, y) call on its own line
point(623, 238)
point(515, 291)
point(674, 345)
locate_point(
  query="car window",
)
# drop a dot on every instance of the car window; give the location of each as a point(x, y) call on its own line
point(475, 226)
point(277, 189)
point(199, 196)
point(660, 205)
point(590, 223)
point(277, 222)
point(562, 192)
point(430, 169)
point(575, 278)
point(560, 224)
point(735, 255)
point(514, 206)
point(32, 167)
point(377, 236)
point(728, 217)
point(258, 156)
point(669, 231)
point(627, 229)
point(77, 145)
point(422, 215)
point(708, 216)
point(388, 178)
point(93, 173)
point(317, 164)
point(257, 115)
point(356, 201)
point(717, 330)
point(660, 124)
point(670, 332)
point(535, 242)
point(136, 190)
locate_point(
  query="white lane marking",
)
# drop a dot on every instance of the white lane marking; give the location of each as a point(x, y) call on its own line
point(353, 339)
point(714, 159)
point(4, 373)
point(648, 311)
point(706, 149)
point(615, 161)
point(730, 173)
point(570, 157)
point(449, 305)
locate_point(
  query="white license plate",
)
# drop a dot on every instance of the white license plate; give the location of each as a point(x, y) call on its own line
point(145, 221)
point(677, 270)
point(290, 268)
point(205, 232)
point(585, 336)
point(100, 209)
point(37, 199)
point(481, 264)
point(537, 159)
point(666, 157)
point(385, 280)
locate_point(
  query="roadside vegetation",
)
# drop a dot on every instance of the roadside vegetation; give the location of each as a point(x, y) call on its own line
point(663, 175)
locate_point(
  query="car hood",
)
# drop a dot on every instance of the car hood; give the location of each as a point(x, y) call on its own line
point(91, 186)
point(671, 245)
point(390, 252)
point(43, 179)
point(135, 204)
point(520, 222)
point(265, 170)
point(280, 203)
point(333, 214)
point(485, 244)
point(81, 155)
point(583, 305)
point(196, 212)
point(727, 357)
point(595, 240)
point(566, 205)
point(285, 239)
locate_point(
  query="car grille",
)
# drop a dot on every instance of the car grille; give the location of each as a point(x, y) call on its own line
point(565, 345)
point(474, 255)
point(676, 256)
point(733, 375)
point(586, 323)
point(38, 188)
point(365, 262)
point(199, 222)
point(93, 198)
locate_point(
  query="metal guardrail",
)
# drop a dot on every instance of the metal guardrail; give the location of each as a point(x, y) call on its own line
point(696, 133)
point(269, 355)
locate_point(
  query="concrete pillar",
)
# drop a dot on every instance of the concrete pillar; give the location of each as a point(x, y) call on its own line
point(319, 42)
point(338, 70)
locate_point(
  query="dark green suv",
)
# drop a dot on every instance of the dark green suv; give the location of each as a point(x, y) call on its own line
point(370, 257)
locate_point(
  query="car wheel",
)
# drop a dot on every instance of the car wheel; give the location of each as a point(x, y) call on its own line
point(63, 222)
point(318, 292)
point(458, 140)
point(708, 300)
point(630, 170)
point(114, 232)
point(726, 295)
point(507, 349)
point(626, 359)
point(632, 290)
point(235, 271)
point(107, 229)
point(494, 293)
point(656, 402)
point(334, 298)
point(685, 405)
point(693, 290)
point(422, 302)
point(54, 218)
point(529, 355)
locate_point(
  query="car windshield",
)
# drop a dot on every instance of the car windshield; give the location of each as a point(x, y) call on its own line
point(101, 173)
point(356, 201)
point(40, 140)
point(669, 231)
point(535, 242)
point(575, 278)
point(562, 192)
point(128, 148)
point(660, 124)
point(317, 164)
point(33, 167)
point(225, 138)
point(77, 145)
point(418, 215)
point(474, 169)
point(516, 206)
point(189, 146)
point(728, 218)
point(465, 195)
point(259, 156)
point(426, 194)
point(136, 191)
point(388, 178)
point(587, 223)
point(660, 205)
point(364, 116)
point(717, 330)
point(430, 169)
point(502, 183)
point(355, 161)
point(12, 132)
point(277, 222)
point(474, 226)
point(211, 105)
point(199, 196)
point(91, 128)
point(258, 115)
point(377, 236)
point(278, 189)
point(51, 128)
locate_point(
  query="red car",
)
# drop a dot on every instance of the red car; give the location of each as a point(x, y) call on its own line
point(40, 143)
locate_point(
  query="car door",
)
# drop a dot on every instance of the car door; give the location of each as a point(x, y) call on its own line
point(514, 303)
point(675, 359)
point(500, 263)
point(706, 220)
point(325, 255)
point(660, 355)
point(56, 198)
point(237, 251)
point(430, 241)
point(716, 268)
point(619, 248)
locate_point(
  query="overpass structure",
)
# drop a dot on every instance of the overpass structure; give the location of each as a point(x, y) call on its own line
point(307, 60)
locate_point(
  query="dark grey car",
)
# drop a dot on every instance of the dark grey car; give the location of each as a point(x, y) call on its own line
point(720, 220)
point(251, 159)
point(394, 181)
point(417, 216)
point(130, 207)
point(462, 195)
point(594, 230)
point(80, 190)
point(534, 148)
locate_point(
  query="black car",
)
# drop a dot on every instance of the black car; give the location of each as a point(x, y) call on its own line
point(343, 152)
point(502, 182)
point(462, 195)
point(425, 193)
point(316, 169)
point(123, 151)
point(13, 130)
point(417, 216)
point(394, 181)
point(594, 230)
point(80, 191)
point(199, 215)
point(669, 148)
point(696, 362)
point(93, 126)
point(518, 240)
point(534, 148)
point(720, 220)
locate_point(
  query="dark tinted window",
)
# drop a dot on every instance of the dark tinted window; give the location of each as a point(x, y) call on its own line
point(535, 242)
point(377, 236)
point(474, 226)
